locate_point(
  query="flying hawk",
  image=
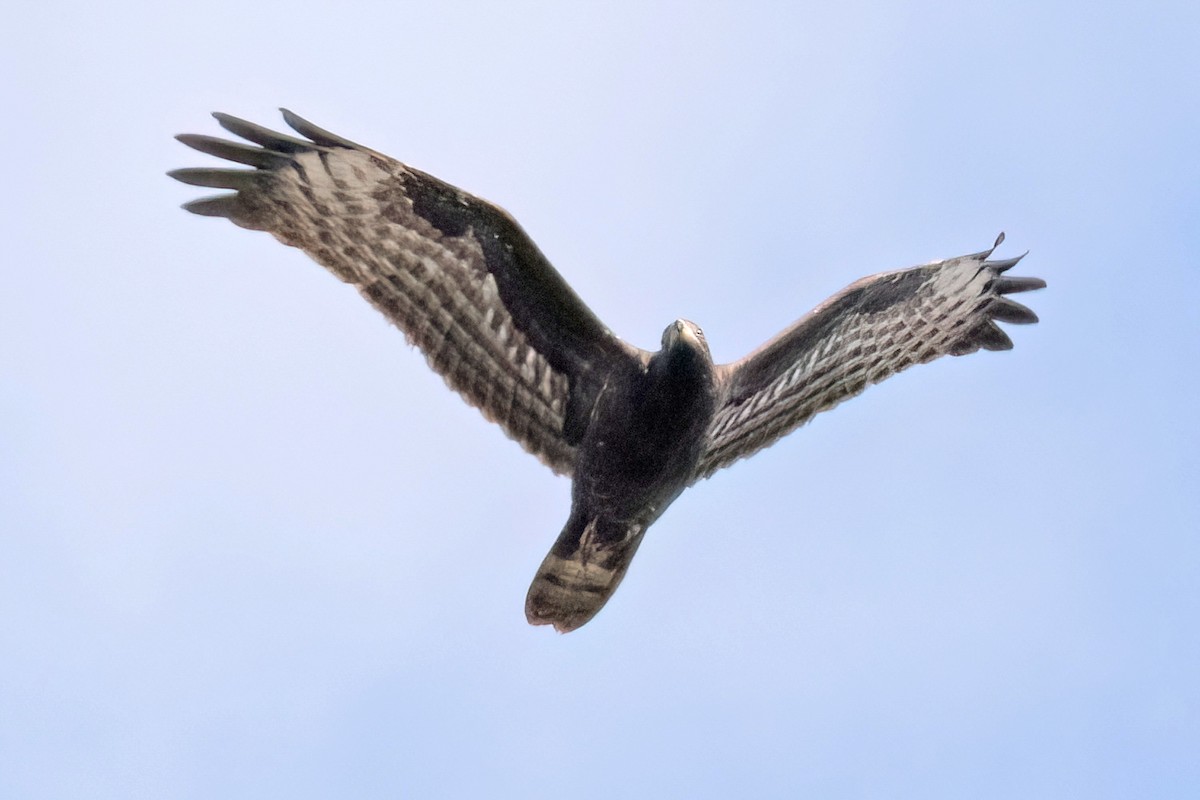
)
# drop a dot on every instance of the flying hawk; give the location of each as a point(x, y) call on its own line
point(632, 428)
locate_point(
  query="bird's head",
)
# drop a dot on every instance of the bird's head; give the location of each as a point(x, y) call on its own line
point(683, 334)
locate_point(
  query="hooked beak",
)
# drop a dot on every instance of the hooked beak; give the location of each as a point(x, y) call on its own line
point(680, 332)
point(674, 332)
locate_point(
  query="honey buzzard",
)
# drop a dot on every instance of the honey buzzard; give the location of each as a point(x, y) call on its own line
point(632, 428)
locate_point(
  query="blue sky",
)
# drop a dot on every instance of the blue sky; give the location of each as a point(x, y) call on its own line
point(253, 547)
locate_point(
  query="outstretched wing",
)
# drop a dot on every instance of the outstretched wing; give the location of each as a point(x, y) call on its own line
point(873, 328)
point(455, 273)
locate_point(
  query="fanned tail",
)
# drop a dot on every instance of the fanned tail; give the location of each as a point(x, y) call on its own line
point(581, 571)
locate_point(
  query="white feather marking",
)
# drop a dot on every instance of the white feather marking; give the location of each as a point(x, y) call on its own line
point(529, 365)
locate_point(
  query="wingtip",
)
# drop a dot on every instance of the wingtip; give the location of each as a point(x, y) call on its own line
point(316, 133)
point(231, 123)
point(223, 205)
point(196, 141)
point(1006, 310)
point(294, 120)
point(216, 178)
point(1005, 264)
point(983, 255)
point(1006, 285)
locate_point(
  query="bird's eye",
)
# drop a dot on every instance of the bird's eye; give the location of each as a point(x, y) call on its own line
point(699, 331)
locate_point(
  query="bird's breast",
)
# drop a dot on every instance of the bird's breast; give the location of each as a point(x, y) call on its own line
point(645, 439)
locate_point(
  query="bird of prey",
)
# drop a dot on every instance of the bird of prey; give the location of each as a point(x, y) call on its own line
point(632, 428)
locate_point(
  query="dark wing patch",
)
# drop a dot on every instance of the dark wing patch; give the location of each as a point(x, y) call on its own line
point(874, 328)
point(456, 274)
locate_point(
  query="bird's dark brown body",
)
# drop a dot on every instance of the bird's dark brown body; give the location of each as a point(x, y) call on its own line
point(628, 471)
point(501, 326)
